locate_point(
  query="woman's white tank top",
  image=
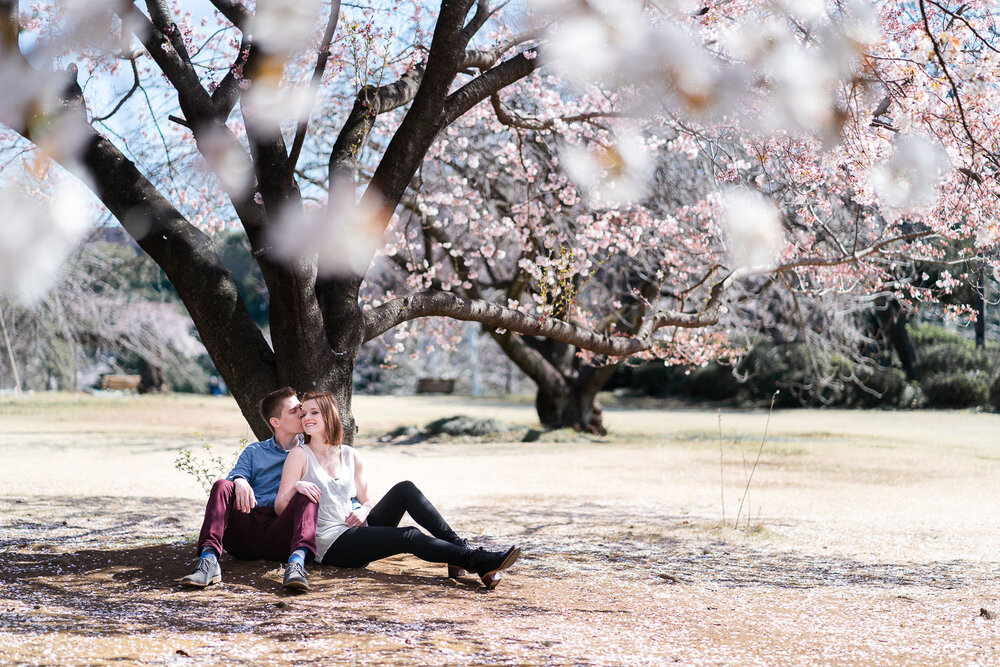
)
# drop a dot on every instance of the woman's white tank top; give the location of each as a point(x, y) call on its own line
point(335, 503)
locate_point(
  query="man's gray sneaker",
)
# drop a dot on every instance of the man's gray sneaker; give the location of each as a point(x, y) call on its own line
point(295, 576)
point(207, 572)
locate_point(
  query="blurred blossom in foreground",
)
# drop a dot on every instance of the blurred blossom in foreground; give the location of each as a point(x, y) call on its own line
point(612, 175)
point(269, 104)
point(284, 26)
point(229, 160)
point(752, 225)
point(342, 236)
point(756, 62)
point(609, 41)
point(37, 234)
point(18, 92)
point(910, 179)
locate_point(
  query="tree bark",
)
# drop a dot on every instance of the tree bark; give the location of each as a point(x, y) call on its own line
point(892, 321)
point(981, 304)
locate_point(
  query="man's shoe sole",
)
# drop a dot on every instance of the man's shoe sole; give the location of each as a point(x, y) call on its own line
point(297, 585)
point(492, 578)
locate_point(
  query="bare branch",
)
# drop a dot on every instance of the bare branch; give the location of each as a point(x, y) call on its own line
point(122, 101)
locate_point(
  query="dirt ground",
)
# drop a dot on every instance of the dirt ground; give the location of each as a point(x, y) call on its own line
point(872, 539)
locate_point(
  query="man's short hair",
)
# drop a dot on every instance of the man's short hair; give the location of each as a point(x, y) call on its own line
point(270, 405)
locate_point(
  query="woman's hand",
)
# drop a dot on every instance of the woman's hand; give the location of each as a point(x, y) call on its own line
point(309, 490)
point(357, 517)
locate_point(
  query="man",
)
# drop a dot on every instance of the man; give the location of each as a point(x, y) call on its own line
point(240, 514)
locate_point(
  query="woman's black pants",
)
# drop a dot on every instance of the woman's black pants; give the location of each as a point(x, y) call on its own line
point(382, 537)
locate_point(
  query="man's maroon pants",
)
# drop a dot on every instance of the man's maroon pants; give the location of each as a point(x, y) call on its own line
point(260, 534)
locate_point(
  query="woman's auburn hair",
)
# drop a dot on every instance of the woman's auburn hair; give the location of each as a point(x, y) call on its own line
point(331, 415)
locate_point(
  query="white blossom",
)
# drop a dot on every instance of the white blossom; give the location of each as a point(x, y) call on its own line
point(284, 26)
point(228, 159)
point(910, 178)
point(342, 237)
point(613, 174)
point(753, 229)
point(268, 104)
point(37, 234)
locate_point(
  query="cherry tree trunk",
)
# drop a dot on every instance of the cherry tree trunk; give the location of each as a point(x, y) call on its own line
point(567, 407)
point(566, 395)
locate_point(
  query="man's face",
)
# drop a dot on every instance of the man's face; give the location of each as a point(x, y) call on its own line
point(289, 421)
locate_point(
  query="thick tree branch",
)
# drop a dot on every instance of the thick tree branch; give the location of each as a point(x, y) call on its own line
point(9, 30)
point(483, 59)
point(491, 81)
point(411, 140)
point(513, 120)
point(236, 12)
point(194, 100)
point(371, 102)
point(444, 304)
point(189, 260)
point(478, 20)
point(226, 94)
point(532, 362)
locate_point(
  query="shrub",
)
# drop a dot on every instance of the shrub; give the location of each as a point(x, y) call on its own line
point(883, 386)
point(461, 425)
point(713, 382)
point(956, 390)
point(656, 379)
point(950, 358)
point(995, 393)
point(925, 335)
point(940, 351)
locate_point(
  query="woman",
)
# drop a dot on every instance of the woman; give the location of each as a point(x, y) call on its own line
point(330, 473)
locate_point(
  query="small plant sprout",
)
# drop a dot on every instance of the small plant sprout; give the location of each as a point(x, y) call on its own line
point(205, 464)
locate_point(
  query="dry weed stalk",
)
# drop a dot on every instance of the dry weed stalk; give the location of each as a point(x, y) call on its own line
point(760, 449)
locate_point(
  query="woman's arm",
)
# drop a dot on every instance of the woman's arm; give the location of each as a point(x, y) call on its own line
point(360, 515)
point(291, 481)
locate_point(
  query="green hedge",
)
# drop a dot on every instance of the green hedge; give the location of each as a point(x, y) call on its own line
point(953, 374)
point(957, 390)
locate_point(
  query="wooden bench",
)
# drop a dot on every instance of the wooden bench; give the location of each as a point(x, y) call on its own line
point(120, 382)
point(435, 385)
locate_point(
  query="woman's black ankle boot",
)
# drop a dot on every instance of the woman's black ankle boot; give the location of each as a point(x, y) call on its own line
point(489, 564)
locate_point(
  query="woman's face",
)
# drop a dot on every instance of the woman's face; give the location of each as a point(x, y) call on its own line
point(312, 420)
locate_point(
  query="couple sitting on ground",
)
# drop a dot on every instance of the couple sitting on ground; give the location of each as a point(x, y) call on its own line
point(294, 501)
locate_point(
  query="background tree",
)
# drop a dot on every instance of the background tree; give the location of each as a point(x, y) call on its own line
point(104, 311)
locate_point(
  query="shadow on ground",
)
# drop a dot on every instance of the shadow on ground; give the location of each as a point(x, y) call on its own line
point(114, 561)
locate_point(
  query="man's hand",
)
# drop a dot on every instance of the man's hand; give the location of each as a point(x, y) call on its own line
point(245, 500)
point(309, 490)
point(357, 517)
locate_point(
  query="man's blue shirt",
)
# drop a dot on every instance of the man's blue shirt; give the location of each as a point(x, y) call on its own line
point(260, 464)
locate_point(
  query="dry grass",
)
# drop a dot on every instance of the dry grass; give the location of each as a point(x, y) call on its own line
point(873, 541)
